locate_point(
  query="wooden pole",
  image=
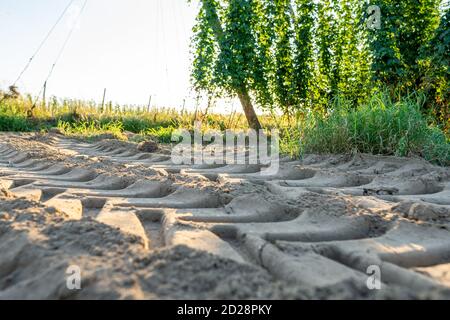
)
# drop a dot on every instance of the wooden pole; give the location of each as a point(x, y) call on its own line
point(184, 105)
point(44, 102)
point(103, 101)
point(149, 104)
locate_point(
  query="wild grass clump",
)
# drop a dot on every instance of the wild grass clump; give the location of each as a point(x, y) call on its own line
point(12, 118)
point(379, 127)
point(92, 130)
point(14, 122)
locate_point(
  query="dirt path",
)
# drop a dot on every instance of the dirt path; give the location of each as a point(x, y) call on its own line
point(140, 227)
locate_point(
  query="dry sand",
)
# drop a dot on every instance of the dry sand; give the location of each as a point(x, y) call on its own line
point(140, 227)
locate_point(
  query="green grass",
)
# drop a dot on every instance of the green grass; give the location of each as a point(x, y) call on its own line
point(92, 130)
point(380, 126)
point(14, 122)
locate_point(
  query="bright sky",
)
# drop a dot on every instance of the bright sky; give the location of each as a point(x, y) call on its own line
point(133, 48)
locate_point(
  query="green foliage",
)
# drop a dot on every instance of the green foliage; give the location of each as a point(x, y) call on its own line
point(264, 28)
point(290, 54)
point(435, 64)
point(407, 27)
point(304, 49)
point(283, 58)
point(13, 117)
point(303, 54)
point(92, 129)
point(237, 60)
point(14, 122)
point(353, 62)
point(326, 61)
point(381, 126)
point(161, 134)
point(205, 52)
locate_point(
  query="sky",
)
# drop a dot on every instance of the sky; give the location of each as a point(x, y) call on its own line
point(133, 48)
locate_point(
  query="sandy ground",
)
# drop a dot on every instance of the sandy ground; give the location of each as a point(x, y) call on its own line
point(140, 227)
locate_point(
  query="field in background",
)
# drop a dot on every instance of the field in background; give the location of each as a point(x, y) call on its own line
point(380, 126)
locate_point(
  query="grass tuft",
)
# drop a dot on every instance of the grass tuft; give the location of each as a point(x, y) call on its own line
point(379, 127)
